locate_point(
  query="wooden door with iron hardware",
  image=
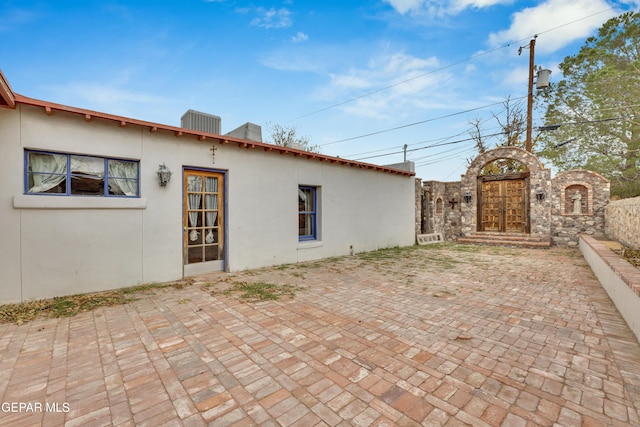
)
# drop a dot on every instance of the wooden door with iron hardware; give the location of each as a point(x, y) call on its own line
point(504, 205)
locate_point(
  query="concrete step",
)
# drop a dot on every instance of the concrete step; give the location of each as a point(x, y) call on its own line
point(507, 239)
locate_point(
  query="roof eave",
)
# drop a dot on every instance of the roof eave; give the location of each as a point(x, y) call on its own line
point(89, 115)
point(7, 97)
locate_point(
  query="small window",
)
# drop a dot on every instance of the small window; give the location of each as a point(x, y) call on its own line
point(439, 207)
point(307, 213)
point(78, 175)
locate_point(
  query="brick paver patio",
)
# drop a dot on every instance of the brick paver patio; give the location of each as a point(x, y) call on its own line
point(447, 335)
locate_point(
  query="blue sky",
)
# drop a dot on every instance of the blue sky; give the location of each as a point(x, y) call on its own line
point(358, 78)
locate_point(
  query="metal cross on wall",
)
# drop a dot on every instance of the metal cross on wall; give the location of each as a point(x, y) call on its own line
point(213, 154)
point(453, 202)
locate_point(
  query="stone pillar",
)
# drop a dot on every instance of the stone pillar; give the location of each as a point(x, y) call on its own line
point(418, 206)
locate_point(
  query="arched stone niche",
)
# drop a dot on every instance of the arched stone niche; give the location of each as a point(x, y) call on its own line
point(576, 199)
point(538, 191)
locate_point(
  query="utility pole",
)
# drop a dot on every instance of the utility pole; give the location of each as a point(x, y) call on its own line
point(528, 144)
point(541, 83)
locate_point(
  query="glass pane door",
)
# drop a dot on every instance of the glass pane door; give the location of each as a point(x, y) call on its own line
point(203, 217)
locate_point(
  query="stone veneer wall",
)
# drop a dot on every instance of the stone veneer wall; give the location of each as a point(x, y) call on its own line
point(444, 216)
point(552, 219)
point(418, 205)
point(566, 225)
point(622, 222)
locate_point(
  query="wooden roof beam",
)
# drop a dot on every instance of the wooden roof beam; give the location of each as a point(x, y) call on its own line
point(7, 97)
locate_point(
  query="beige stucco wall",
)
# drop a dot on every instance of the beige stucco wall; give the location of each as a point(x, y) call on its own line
point(11, 174)
point(622, 221)
point(64, 245)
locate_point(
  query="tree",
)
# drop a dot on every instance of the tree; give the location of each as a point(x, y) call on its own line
point(288, 137)
point(596, 106)
point(512, 124)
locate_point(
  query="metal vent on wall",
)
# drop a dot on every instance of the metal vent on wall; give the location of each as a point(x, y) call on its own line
point(203, 122)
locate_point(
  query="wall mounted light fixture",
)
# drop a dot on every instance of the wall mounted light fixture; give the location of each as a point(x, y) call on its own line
point(164, 175)
point(467, 197)
point(541, 194)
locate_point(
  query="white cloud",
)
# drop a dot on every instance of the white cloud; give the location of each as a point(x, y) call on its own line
point(460, 5)
point(385, 83)
point(439, 8)
point(299, 37)
point(564, 17)
point(390, 84)
point(404, 6)
point(385, 70)
point(516, 77)
point(272, 18)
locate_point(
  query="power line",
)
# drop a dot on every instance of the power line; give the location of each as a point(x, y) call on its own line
point(472, 138)
point(582, 122)
point(445, 155)
point(574, 21)
point(416, 123)
point(539, 128)
point(470, 110)
point(428, 146)
point(453, 64)
point(447, 152)
point(441, 139)
point(436, 118)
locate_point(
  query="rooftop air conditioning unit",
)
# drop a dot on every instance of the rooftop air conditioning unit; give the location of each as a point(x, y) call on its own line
point(250, 131)
point(203, 122)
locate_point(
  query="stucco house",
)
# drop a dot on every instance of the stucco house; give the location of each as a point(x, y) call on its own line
point(87, 203)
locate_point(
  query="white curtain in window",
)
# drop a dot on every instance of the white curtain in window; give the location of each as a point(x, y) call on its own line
point(305, 200)
point(123, 177)
point(87, 175)
point(88, 167)
point(211, 200)
point(194, 188)
point(302, 200)
point(47, 171)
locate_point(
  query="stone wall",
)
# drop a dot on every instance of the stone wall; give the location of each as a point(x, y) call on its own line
point(418, 206)
point(560, 209)
point(578, 202)
point(444, 208)
point(622, 222)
